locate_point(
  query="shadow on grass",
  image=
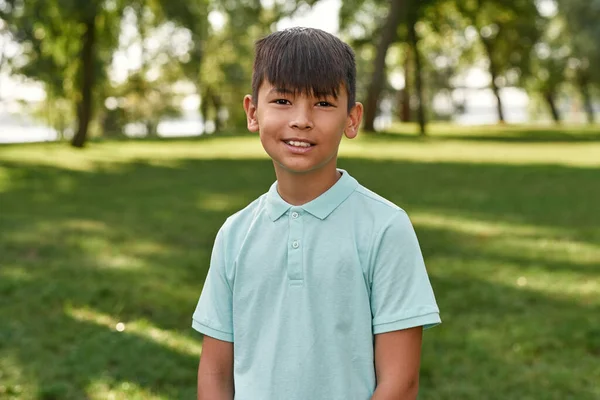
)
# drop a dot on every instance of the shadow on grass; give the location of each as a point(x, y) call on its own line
point(134, 243)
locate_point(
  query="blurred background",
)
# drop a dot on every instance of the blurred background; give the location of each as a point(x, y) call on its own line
point(123, 148)
point(75, 70)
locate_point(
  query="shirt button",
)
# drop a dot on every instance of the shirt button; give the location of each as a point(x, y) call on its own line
point(295, 244)
point(295, 215)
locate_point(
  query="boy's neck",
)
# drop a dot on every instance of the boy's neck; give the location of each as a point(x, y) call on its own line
point(298, 189)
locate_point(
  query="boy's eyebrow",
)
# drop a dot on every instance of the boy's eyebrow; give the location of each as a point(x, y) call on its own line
point(279, 90)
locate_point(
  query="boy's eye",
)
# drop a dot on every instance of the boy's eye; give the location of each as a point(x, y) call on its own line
point(281, 101)
point(324, 104)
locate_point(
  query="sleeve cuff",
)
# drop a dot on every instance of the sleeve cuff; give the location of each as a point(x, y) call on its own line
point(426, 321)
point(214, 333)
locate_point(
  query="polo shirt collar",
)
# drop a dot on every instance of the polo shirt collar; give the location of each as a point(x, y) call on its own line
point(320, 207)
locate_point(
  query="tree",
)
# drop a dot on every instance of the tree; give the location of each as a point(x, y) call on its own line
point(192, 15)
point(416, 11)
point(507, 32)
point(414, 45)
point(549, 61)
point(52, 34)
point(5, 38)
point(150, 88)
point(387, 37)
point(582, 18)
point(409, 19)
point(56, 32)
point(87, 16)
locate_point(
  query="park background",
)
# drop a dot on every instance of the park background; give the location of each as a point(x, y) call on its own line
point(481, 123)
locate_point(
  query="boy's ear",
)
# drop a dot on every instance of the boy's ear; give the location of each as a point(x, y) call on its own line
point(251, 115)
point(353, 121)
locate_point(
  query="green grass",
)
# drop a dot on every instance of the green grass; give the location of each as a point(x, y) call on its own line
point(103, 253)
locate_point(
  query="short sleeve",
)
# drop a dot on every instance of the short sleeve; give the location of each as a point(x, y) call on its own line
point(401, 294)
point(214, 316)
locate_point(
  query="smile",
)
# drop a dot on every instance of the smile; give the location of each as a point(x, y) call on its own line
point(297, 143)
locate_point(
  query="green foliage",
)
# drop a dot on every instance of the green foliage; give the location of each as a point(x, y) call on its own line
point(149, 93)
point(582, 21)
point(551, 56)
point(508, 32)
point(49, 33)
point(549, 61)
point(582, 18)
point(192, 15)
point(142, 101)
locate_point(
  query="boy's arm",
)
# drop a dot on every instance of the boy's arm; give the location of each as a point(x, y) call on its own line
point(215, 372)
point(397, 362)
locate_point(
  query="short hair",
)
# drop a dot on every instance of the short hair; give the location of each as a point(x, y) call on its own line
point(307, 61)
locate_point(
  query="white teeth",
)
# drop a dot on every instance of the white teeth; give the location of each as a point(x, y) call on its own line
point(298, 144)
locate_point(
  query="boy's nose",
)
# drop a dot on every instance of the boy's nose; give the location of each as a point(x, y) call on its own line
point(301, 120)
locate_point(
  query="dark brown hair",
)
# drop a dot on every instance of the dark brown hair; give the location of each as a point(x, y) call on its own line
point(306, 61)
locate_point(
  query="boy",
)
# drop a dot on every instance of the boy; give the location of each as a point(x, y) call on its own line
point(317, 290)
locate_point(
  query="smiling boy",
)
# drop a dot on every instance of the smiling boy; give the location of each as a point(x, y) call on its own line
point(317, 290)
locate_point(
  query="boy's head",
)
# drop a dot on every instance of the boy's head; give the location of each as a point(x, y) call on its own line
point(303, 98)
point(305, 61)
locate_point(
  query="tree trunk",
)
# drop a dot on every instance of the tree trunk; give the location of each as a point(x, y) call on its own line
point(388, 35)
point(216, 100)
point(494, 73)
point(404, 94)
point(2, 59)
point(84, 107)
point(414, 42)
point(549, 96)
point(151, 129)
point(203, 108)
point(584, 87)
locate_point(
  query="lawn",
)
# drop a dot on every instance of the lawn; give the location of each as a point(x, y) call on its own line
point(103, 253)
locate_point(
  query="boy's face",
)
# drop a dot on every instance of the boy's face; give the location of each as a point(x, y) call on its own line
point(301, 133)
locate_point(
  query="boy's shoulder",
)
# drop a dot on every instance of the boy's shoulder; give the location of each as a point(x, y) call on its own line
point(377, 201)
point(376, 207)
point(246, 215)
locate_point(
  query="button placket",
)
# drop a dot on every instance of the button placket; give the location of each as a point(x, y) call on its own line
point(295, 268)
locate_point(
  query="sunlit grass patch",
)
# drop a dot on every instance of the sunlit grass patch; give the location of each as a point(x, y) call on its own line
point(387, 148)
point(219, 202)
point(107, 389)
point(14, 383)
point(141, 327)
point(446, 143)
point(475, 226)
point(15, 273)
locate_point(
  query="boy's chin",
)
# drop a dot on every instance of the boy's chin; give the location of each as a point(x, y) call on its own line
point(298, 169)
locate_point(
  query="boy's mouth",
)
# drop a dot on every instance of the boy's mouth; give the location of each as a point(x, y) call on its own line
point(298, 143)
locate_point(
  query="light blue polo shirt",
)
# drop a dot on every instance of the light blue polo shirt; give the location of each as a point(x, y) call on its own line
point(301, 290)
